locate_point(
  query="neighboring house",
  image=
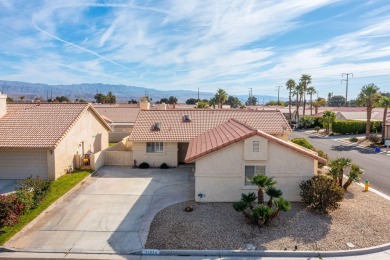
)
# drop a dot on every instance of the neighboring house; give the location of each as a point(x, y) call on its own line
point(162, 136)
point(42, 139)
point(121, 119)
point(228, 154)
point(354, 113)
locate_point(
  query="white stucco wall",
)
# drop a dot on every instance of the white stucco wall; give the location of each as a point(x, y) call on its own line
point(168, 156)
point(220, 176)
point(87, 129)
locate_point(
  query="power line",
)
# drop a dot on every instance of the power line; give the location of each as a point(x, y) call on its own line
point(346, 87)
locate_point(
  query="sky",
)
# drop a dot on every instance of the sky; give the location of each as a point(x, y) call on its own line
point(185, 44)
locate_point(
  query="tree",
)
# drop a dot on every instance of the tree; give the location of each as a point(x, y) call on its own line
point(327, 119)
point(318, 103)
point(233, 101)
point(305, 81)
point(213, 101)
point(110, 98)
point(172, 100)
point(291, 85)
point(369, 97)
point(353, 175)
point(10, 100)
point(338, 165)
point(274, 103)
point(252, 100)
point(132, 101)
point(297, 92)
point(164, 100)
point(306, 121)
point(21, 98)
point(336, 101)
point(262, 182)
point(273, 192)
point(311, 91)
point(221, 96)
point(385, 103)
point(61, 99)
point(202, 104)
point(191, 101)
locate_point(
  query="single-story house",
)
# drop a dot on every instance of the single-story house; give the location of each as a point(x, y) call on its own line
point(230, 153)
point(42, 139)
point(121, 119)
point(163, 136)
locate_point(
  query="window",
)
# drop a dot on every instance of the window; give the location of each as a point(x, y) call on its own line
point(155, 147)
point(251, 171)
point(256, 146)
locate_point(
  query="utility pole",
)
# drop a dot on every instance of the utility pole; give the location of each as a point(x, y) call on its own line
point(250, 96)
point(346, 87)
point(198, 95)
point(278, 93)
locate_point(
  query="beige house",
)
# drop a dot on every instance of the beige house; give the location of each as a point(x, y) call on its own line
point(42, 139)
point(162, 136)
point(228, 154)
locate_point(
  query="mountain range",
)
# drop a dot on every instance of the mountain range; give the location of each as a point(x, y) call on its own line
point(87, 91)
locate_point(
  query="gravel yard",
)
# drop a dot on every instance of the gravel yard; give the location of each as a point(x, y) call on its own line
point(363, 220)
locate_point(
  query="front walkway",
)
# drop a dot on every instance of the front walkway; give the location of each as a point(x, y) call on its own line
point(110, 213)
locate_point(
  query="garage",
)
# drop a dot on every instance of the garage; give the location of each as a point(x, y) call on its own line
point(22, 164)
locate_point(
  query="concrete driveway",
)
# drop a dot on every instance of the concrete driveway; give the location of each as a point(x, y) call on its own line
point(111, 212)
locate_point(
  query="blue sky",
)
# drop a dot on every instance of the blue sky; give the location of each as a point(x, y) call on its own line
point(184, 44)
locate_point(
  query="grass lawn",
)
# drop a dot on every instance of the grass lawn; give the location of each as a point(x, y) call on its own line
point(58, 188)
point(111, 144)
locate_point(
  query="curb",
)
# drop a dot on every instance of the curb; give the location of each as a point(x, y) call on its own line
point(35, 220)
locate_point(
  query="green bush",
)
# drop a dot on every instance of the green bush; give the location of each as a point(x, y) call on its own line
point(321, 154)
point(375, 139)
point(36, 186)
point(164, 166)
point(10, 209)
point(317, 129)
point(354, 127)
point(303, 142)
point(306, 122)
point(144, 165)
point(353, 139)
point(321, 194)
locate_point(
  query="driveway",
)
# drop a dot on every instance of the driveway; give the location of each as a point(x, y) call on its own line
point(110, 213)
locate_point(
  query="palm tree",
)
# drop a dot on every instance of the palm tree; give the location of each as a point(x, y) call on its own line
point(305, 80)
point(273, 192)
point(290, 84)
point(298, 93)
point(212, 101)
point(281, 205)
point(21, 98)
point(385, 103)
point(339, 164)
point(221, 96)
point(327, 119)
point(262, 182)
point(369, 97)
point(311, 91)
point(353, 175)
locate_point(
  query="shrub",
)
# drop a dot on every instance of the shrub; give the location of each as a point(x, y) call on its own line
point(10, 209)
point(27, 198)
point(374, 139)
point(303, 142)
point(321, 154)
point(144, 165)
point(354, 127)
point(353, 139)
point(317, 128)
point(36, 186)
point(306, 121)
point(164, 166)
point(321, 194)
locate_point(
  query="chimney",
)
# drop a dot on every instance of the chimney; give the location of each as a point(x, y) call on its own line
point(3, 104)
point(144, 105)
point(161, 106)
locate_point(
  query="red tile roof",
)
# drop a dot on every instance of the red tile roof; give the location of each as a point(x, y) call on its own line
point(232, 132)
point(175, 130)
point(33, 125)
point(119, 114)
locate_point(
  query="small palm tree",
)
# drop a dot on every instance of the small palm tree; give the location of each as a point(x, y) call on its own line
point(328, 118)
point(311, 91)
point(385, 103)
point(305, 81)
point(369, 97)
point(273, 192)
point(353, 175)
point(290, 84)
point(261, 214)
point(281, 205)
point(339, 164)
point(213, 101)
point(262, 182)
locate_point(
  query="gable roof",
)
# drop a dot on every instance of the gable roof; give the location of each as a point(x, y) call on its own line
point(44, 125)
point(232, 132)
point(119, 114)
point(174, 129)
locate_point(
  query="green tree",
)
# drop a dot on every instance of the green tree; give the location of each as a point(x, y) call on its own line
point(318, 103)
point(327, 120)
point(306, 121)
point(213, 101)
point(305, 81)
point(61, 99)
point(100, 98)
point(262, 182)
point(297, 92)
point(338, 165)
point(252, 101)
point(221, 96)
point(336, 101)
point(10, 100)
point(21, 98)
point(311, 91)
point(202, 104)
point(164, 100)
point(353, 176)
point(111, 98)
point(233, 101)
point(291, 85)
point(191, 101)
point(385, 103)
point(369, 97)
point(273, 192)
point(172, 100)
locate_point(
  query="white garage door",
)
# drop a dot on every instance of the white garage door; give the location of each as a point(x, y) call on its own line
point(22, 164)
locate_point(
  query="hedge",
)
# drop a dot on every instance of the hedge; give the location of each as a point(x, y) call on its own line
point(354, 127)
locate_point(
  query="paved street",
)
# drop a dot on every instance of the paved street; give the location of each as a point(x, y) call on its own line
point(109, 213)
point(377, 166)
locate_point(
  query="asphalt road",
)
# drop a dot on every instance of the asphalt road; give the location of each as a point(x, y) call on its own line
point(377, 166)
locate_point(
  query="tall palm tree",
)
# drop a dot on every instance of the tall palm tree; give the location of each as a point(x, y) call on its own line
point(262, 182)
point(311, 91)
point(369, 97)
point(298, 93)
point(305, 80)
point(385, 103)
point(290, 84)
point(221, 96)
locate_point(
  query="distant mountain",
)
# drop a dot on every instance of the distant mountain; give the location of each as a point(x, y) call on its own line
point(87, 91)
